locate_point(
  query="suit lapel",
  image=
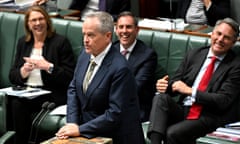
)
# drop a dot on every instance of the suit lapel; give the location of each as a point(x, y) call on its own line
point(220, 70)
point(82, 69)
point(135, 54)
point(97, 79)
point(103, 69)
point(198, 64)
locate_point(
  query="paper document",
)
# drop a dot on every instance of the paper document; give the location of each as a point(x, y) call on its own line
point(228, 130)
point(60, 110)
point(28, 92)
point(162, 24)
point(157, 24)
point(235, 124)
point(5, 1)
point(24, 3)
point(16, 4)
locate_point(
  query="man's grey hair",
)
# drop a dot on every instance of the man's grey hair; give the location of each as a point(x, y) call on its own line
point(232, 23)
point(105, 19)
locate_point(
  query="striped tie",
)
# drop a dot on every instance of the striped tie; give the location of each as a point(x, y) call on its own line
point(88, 75)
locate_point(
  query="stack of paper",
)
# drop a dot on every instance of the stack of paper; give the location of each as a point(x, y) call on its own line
point(225, 134)
point(15, 4)
point(163, 24)
point(156, 24)
point(4, 1)
point(28, 92)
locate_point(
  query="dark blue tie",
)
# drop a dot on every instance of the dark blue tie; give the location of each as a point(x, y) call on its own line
point(102, 5)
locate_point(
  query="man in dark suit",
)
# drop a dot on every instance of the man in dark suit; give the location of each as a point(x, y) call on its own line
point(108, 106)
point(141, 58)
point(114, 7)
point(212, 10)
point(173, 121)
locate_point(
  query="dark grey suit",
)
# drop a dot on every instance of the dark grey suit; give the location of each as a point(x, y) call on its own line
point(218, 101)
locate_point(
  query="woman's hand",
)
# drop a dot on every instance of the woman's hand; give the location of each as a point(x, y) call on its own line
point(26, 69)
point(41, 63)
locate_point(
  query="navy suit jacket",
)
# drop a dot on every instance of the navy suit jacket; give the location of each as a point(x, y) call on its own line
point(219, 9)
point(143, 63)
point(110, 105)
point(114, 7)
point(219, 99)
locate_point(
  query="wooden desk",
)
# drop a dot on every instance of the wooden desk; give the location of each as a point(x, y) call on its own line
point(199, 30)
point(79, 140)
point(69, 13)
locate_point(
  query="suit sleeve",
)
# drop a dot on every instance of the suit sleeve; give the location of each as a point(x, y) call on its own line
point(146, 70)
point(120, 95)
point(62, 57)
point(14, 74)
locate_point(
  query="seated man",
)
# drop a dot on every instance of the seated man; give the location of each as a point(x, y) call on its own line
point(208, 86)
point(141, 58)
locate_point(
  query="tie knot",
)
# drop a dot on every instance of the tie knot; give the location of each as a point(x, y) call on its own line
point(213, 59)
point(93, 63)
point(125, 52)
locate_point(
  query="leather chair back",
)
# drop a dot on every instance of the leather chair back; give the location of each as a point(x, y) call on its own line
point(3, 114)
point(64, 4)
point(5, 135)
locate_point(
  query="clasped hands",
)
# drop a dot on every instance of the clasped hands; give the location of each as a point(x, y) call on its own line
point(31, 64)
point(177, 86)
point(69, 130)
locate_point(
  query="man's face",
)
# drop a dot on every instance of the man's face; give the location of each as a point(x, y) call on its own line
point(37, 23)
point(222, 39)
point(126, 31)
point(94, 41)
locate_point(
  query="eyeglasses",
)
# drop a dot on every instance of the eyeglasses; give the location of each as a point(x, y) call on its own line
point(40, 19)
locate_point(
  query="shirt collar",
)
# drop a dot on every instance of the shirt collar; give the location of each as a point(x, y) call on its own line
point(99, 58)
point(130, 49)
point(210, 54)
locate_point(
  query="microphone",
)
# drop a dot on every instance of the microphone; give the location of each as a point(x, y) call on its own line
point(44, 108)
point(50, 107)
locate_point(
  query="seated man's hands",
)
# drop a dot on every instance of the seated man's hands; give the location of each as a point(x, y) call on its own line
point(177, 86)
point(181, 87)
point(69, 130)
point(162, 84)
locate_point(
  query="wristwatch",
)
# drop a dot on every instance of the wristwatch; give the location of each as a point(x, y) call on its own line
point(50, 69)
